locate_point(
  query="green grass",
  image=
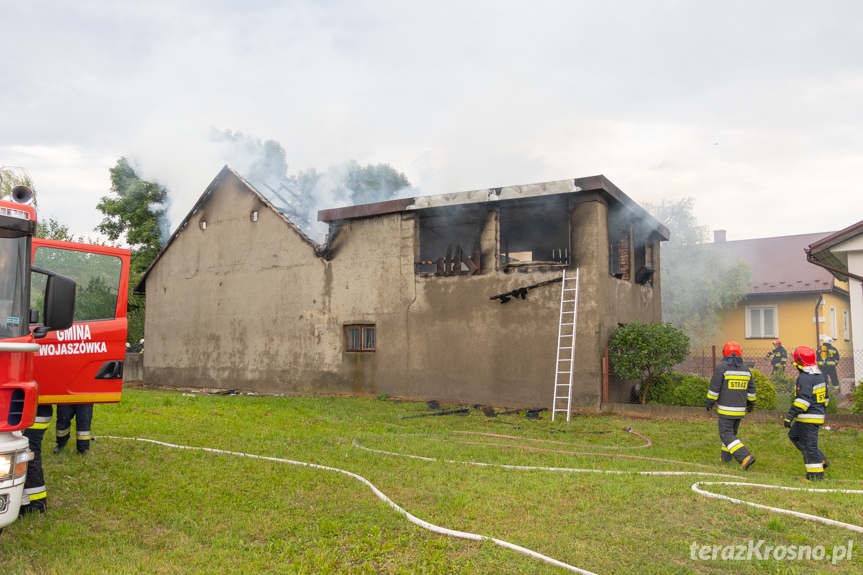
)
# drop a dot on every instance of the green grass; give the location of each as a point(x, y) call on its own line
point(135, 507)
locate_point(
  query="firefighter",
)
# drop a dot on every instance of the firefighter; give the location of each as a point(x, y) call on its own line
point(828, 359)
point(733, 387)
point(35, 497)
point(83, 415)
point(778, 357)
point(806, 415)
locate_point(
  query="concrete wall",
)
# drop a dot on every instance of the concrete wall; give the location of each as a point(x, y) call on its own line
point(240, 304)
point(250, 305)
point(133, 367)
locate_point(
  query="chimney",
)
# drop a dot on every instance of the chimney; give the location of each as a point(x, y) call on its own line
point(718, 236)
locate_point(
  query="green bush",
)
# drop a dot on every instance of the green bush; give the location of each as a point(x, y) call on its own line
point(662, 388)
point(692, 391)
point(782, 382)
point(765, 393)
point(833, 406)
point(643, 352)
point(674, 388)
point(857, 398)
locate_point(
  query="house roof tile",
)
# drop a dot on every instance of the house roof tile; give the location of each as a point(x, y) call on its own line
point(779, 264)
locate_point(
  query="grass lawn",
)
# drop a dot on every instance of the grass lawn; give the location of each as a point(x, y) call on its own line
point(139, 507)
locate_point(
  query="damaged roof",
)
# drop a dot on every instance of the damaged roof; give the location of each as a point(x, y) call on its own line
point(779, 265)
point(572, 186)
point(225, 172)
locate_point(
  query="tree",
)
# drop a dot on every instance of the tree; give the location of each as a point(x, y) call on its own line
point(51, 229)
point(374, 182)
point(699, 288)
point(135, 213)
point(642, 352)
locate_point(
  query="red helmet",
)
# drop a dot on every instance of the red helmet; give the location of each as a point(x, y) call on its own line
point(732, 348)
point(777, 342)
point(804, 356)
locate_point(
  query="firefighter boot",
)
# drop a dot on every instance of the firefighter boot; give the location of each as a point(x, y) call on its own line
point(747, 462)
point(62, 437)
point(816, 476)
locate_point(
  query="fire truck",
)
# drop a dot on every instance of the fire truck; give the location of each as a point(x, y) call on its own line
point(69, 349)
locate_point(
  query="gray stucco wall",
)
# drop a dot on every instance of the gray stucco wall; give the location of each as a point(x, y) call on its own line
point(250, 305)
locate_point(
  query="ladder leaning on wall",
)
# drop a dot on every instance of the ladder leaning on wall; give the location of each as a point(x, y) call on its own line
point(565, 346)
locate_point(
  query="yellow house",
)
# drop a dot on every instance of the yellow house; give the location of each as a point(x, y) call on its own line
point(789, 299)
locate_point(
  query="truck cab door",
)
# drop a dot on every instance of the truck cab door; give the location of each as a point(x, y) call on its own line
point(83, 364)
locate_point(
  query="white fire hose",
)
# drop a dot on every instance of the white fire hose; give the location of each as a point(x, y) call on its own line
point(380, 495)
point(475, 537)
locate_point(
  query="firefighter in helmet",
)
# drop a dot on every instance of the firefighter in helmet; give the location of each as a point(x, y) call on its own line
point(778, 357)
point(806, 415)
point(828, 359)
point(733, 388)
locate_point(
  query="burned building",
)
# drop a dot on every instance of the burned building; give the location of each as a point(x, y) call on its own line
point(449, 297)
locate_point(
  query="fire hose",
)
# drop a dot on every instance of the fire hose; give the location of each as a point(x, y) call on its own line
point(528, 552)
point(412, 518)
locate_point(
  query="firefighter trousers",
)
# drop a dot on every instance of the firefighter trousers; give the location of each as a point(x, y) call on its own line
point(35, 497)
point(83, 416)
point(804, 436)
point(732, 447)
point(830, 375)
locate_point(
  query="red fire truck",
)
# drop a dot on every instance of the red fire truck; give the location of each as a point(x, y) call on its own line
point(18, 389)
point(70, 353)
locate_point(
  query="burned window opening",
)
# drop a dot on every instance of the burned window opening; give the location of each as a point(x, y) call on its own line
point(630, 250)
point(619, 263)
point(535, 234)
point(614, 267)
point(444, 243)
point(643, 261)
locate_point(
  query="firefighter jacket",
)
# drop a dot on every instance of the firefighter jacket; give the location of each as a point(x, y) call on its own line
point(810, 398)
point(779, 356)
point(732, 387)
point(828, 355)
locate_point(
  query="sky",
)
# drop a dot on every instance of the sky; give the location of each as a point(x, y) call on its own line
point(753, 109)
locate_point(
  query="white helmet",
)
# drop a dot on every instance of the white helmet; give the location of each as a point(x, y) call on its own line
point(828, 339)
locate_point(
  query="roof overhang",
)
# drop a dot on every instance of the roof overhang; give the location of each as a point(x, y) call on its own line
point(822, 254)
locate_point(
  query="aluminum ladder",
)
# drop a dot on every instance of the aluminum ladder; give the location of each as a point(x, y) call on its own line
point(565, 346)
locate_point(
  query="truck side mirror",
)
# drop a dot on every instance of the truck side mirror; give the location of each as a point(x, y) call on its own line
point(59, 308)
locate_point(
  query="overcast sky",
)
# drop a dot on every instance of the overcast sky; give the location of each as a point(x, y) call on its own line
point(752, 108)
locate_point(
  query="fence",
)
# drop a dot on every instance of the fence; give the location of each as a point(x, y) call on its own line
point(702, 361)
